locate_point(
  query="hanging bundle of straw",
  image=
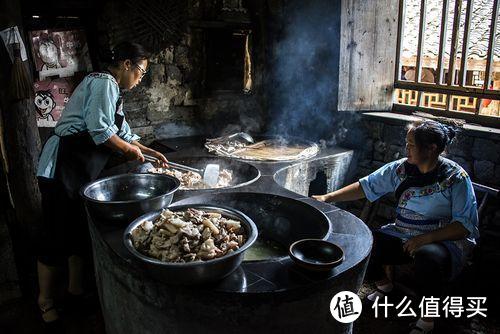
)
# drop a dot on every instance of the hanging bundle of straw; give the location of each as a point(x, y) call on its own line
point(20, 84)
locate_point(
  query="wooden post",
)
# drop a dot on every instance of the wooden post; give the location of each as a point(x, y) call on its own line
point(21, 139)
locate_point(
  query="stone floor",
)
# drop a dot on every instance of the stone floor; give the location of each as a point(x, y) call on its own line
point(21, 317)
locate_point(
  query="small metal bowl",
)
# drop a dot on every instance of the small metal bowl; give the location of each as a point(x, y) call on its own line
point(197, 272)
point(122, 198)
point(316, 254)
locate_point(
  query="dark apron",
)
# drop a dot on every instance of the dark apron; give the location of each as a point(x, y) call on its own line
point(80, 160)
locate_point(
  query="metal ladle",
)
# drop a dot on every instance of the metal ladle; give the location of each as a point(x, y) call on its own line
point(210, 172)
point(249, 139)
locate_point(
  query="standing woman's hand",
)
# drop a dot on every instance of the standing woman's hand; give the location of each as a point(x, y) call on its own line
point(163, 162)
point(134, 153)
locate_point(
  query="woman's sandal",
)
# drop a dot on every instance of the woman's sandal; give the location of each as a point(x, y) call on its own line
point(46, 317)
point(53, 324)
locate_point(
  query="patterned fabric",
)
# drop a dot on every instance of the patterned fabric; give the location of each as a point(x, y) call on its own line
point(91, 108)
point(428, 202)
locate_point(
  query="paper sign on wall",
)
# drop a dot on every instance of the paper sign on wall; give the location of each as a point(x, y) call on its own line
point(60, 53)
point(51, 97)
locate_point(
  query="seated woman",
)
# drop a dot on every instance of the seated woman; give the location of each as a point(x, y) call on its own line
point(436, 223)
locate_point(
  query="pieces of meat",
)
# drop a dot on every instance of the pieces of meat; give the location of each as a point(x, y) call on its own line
point(190, 235)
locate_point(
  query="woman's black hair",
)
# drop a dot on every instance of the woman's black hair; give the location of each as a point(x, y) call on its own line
point(126, 50)
point(430, 132)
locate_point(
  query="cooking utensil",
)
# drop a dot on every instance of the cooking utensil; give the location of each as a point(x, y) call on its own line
point(193, 272)
point(265, 149)
point(316, 254)
point(125, 197)
point(210, 172)
point(242, 173)
point(243, 135)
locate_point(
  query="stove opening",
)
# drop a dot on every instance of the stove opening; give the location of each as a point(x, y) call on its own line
point(319, 185)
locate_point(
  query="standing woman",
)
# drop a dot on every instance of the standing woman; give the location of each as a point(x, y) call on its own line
point(436, 223)
point(91, 128)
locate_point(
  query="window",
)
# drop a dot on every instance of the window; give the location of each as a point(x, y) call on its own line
point(448, 59)
point(229, 65)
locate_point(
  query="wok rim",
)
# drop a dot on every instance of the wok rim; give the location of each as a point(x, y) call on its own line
point(228, 161)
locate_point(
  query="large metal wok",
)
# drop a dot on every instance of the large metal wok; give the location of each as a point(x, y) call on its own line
point(192, 272)
point(242, 172)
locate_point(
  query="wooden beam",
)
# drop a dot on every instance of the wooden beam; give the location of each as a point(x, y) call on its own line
point(21, 136)
point(420, 47)
point(465, 43)
point(367, 53)
point(401, 19)
point(457, 90)
point(454, 38)
point(489, 121)
point(442, 41)
point(478, 105)
point(491, 45)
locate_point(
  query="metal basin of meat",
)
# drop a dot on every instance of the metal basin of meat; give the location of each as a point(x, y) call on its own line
point(265, 148)
point(280, 220)
point(194, 272)
point(240, 173)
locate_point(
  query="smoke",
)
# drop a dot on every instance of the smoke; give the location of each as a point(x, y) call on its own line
point(304, 80)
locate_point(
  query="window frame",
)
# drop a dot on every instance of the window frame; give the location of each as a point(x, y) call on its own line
point(446, 87)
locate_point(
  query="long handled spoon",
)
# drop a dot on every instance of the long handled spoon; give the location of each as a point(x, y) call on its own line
point(210, 172)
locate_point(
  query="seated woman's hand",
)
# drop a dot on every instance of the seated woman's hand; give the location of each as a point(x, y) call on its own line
point(321, 198)
point(413, 244)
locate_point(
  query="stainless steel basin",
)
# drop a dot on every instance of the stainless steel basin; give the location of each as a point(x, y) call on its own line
point(122, 198)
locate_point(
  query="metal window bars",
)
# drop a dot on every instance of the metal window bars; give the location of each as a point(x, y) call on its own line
point(453, 84)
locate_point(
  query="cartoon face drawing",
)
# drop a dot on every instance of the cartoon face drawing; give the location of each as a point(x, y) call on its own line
point(44, 104)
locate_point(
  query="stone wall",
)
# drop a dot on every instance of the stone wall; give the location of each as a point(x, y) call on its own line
point(170, 101)
point(163, 106)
